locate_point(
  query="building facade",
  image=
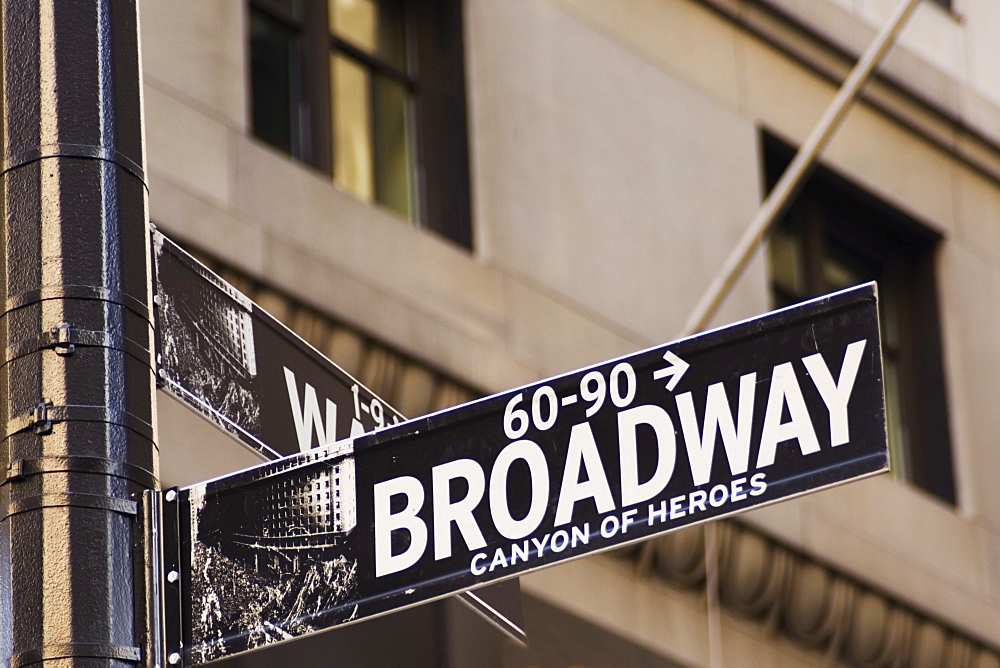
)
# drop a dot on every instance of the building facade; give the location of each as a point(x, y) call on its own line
point(451, 198)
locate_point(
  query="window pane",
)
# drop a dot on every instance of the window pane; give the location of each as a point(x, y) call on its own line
point(356, 21)
point(786, 263)
point(272, 63)
point(392, 147)
point(352, 133)
point(392, 33)
point(839, 274)
point(374, 27)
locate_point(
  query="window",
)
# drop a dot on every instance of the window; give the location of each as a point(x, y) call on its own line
point(835, 236)
point(372, 92)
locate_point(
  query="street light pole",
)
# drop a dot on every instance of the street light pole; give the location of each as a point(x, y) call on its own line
point(76, 385)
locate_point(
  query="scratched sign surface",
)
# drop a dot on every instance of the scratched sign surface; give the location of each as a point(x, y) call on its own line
point(244, 371)
point(701, 428)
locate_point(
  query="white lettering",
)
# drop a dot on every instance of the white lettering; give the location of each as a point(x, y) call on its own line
point(653, 513)
point(735, 436)
point(387, 523)
point(307, 417)
point(785, 391)
point(718, 495)
point(560, 539)
point(836, 395)
point(609, 526)
point(530, 453)
point(447, 510)
point(514, 553)
point(696, 500)
point(738, 493)
point(676, 509)
point(582, 449)
point(628, 519)
point(666, 444)
point(519, 552)
point(757, 485)
point(478, 570)
point(499, 560)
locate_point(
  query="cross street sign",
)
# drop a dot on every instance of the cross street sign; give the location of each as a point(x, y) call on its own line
point(246, 372)
point(255, 379)
point(694, 430)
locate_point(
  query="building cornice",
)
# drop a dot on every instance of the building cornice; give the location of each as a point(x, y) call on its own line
point(813, 604)
point(907, 88)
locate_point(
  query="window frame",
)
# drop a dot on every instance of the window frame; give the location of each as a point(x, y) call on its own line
point(434, 79)
point(846, 217)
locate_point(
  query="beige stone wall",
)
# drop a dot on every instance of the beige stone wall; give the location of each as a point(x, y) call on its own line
point(771, 605)
point(615, 162)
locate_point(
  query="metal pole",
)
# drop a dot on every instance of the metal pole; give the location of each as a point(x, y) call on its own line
point(712, 594)
point(76, 385)
point(788, 186)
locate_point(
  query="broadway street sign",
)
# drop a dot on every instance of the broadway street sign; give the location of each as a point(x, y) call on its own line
point(694, 430)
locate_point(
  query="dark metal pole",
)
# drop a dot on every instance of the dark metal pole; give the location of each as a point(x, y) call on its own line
point(76, 386)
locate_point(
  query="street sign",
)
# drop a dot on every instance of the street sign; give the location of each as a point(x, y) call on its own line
point(694, 430)
point(255, 379)
point(247, 373)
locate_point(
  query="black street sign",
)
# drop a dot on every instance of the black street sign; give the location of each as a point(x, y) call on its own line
point(249, 375)
point(694, 430)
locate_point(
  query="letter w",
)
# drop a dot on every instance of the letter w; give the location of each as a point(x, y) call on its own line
point(307, 417)
point(735, 437)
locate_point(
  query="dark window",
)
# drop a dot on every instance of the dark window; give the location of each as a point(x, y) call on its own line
point(371, 92)
point(834, 236)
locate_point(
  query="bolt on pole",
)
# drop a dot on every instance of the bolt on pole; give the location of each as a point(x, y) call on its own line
point(76, 383)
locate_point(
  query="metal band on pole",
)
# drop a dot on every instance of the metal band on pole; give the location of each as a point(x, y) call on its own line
point(791, 181)
point(77, 402)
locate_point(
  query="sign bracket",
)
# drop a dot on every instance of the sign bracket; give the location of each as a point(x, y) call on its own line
point(164, 512)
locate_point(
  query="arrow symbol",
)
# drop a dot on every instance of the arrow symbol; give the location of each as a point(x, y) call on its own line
point(675, 371)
